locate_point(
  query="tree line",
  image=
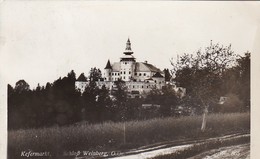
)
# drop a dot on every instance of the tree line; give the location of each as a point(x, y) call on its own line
point(208, 75)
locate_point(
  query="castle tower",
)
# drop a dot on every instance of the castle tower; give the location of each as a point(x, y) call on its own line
point(127, 63)
point(108, 70)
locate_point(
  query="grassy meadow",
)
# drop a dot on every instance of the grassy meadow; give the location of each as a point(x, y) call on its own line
point(109, 136)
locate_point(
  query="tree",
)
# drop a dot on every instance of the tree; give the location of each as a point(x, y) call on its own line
point(90, 96)
point(202, 74)
point(95, 74)
point(21, 86)
point(120, 99)
point(244, 72)
point(104, 104)
point(167, 74)
point(10, 90)
point(166, 98)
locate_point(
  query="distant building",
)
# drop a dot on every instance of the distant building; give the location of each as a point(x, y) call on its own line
point(140, 77)
point(222, 100)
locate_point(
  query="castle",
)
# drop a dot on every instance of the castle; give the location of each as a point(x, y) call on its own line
point(140, 77)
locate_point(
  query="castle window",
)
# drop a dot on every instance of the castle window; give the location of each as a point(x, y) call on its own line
point(124, 72)
point(129, 72)
point(140, 74)
point(133, 86)
point(124, 77)
point(135, 74)
point(144, 74)
point(142, 86)
point(147, 86)
point(121, 72)
point(109, 74)
point(112, 73)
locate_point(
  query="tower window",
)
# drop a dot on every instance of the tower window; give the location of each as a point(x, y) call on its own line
point(140, 74)
point(129, 72)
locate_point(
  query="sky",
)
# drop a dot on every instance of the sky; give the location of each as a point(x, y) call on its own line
point(43, 40)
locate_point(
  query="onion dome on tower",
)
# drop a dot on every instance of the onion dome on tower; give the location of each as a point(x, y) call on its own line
point(128, 52)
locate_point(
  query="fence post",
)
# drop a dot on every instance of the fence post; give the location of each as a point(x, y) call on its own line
point(124, 134)
point(204, 120)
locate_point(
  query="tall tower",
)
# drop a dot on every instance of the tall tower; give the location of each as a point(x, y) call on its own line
point(127, 63)
point(108, 70)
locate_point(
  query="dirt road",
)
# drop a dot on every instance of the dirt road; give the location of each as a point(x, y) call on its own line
point(234, 152)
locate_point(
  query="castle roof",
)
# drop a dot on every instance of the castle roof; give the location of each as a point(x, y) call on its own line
point(157, 74)
point(116, 67)
point(145, 67)
point(139, 67)
point(82, 78)
point(108, 66)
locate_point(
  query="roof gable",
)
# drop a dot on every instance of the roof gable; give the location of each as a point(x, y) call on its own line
point(82, 78)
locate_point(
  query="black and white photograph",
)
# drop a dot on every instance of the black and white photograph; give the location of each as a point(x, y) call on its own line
point(128, 79)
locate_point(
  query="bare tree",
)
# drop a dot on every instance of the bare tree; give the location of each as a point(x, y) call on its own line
point(201, 74)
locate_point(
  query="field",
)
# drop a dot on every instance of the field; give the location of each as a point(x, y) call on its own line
point(110, 136)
